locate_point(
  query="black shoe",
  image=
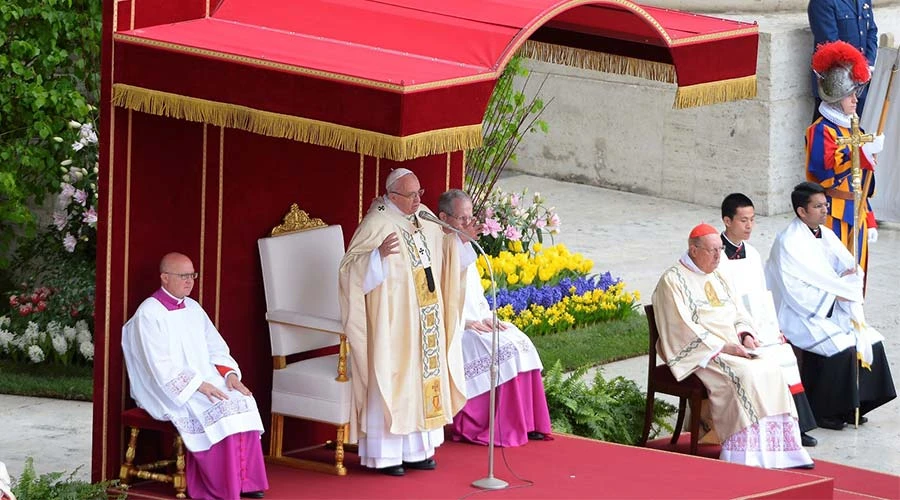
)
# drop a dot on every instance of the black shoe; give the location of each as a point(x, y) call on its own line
point(252, 494)
point(850, 419)
point(807, 440)
point(427, 464)
point(536, 436)
point(805, 466)
point(833, 423)
point(394, 470)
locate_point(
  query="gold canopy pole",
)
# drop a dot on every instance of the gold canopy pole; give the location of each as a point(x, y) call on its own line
point(855, 140)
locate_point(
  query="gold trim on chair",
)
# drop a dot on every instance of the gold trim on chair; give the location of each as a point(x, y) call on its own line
point(296, 220)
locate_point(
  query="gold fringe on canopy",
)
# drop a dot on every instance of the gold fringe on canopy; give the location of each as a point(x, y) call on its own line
point(598, 61)
point(297, 128)
point(715, 92)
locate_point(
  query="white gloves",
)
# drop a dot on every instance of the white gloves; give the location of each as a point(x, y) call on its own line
point(873, 235)
point(874, 147)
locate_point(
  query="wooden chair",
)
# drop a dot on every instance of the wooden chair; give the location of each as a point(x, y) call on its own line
point(136, 420)
point(300, 263)
point(660, 379)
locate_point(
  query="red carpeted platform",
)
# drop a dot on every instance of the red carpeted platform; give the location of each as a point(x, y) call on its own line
point(567, 467)
point(849, 482)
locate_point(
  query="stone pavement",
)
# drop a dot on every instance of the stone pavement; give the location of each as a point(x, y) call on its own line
point(635, 237)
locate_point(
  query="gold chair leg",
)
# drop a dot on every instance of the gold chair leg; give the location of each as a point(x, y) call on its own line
point(275, 439)
point(179, 479)
point(127, 468)
point(339, 452)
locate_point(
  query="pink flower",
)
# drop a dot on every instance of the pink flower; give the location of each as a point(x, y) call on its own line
point(60, 219)
point(514, 200)
point(553, 221)
point(25, 309)
point(68, 189)
point(513, 233)
point(491, 227)
point(13, 300)
point(80, 196)
point(90, 217)
point(41, 306)
point(69, 242)
point(488, 212)
point(540, 223)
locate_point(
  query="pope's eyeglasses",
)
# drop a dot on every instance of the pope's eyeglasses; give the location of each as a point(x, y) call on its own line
point(410, 196)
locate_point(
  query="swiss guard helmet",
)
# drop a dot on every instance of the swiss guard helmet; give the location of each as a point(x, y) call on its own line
point(841, 70)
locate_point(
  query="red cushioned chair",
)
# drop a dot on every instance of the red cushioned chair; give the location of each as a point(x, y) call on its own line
point(136, 419)
point(660, 379)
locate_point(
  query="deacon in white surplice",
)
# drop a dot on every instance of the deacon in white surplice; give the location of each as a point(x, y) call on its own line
point(401, 292)
point(743, 268)
point(180, 370)
point(700, 326)
point(818, 291)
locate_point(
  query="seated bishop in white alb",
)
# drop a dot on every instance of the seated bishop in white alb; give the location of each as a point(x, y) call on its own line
point(521, 407)
point(180, 370)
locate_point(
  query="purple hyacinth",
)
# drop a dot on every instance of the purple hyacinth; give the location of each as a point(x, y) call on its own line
point(549, 295)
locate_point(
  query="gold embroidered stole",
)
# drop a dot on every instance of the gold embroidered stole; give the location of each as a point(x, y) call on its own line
point(419, 255)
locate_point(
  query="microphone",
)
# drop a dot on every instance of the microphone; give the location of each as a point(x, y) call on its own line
point(424, 214)
point(490, 482)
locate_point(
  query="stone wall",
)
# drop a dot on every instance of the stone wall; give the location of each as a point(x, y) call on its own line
point(622, 132)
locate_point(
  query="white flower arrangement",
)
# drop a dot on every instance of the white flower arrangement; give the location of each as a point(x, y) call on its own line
point(75, 215)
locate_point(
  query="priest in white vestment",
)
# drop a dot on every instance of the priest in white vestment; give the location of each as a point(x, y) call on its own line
point(818, 291)
point(521, 411)
point(180, 370)
point(700, 327)
point(401, 296)
point(743, 268)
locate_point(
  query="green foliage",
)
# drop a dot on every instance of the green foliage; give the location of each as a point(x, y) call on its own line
point(595, 344)
point(509, 117)
point(72, 382)
point(50, 67)
point(53, 486)
point(607, 410)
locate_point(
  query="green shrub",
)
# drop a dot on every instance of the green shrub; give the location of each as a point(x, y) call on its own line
point(52, 486)
point(609, 410)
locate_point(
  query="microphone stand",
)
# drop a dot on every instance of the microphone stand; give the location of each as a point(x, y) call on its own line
point(489, 482)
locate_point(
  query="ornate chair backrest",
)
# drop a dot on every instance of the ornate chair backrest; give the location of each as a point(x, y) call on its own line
point(300, 276)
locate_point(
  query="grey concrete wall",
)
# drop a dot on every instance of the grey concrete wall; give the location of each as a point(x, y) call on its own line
point(622, 132)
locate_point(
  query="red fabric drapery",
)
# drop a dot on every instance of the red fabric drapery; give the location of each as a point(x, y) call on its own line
point(422, 71)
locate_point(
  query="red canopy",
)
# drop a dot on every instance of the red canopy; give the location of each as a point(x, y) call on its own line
point(423, 71)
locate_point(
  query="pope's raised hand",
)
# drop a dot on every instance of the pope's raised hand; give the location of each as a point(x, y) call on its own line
point(389, 246)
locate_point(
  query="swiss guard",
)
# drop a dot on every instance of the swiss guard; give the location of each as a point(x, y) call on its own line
point(843, 74)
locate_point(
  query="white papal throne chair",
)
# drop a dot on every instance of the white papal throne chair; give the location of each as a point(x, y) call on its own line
point(300, 263)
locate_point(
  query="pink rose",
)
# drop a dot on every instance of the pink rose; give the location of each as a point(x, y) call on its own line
point(41, 306)
point(513, 233)
point(25, 309)
point(13, 300)
point(491, 227)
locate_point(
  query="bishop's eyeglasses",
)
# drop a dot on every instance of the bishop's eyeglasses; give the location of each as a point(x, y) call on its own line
point(466, 220)
point(184, 276)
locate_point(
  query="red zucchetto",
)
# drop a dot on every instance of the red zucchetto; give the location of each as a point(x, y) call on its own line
point(702, 230)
